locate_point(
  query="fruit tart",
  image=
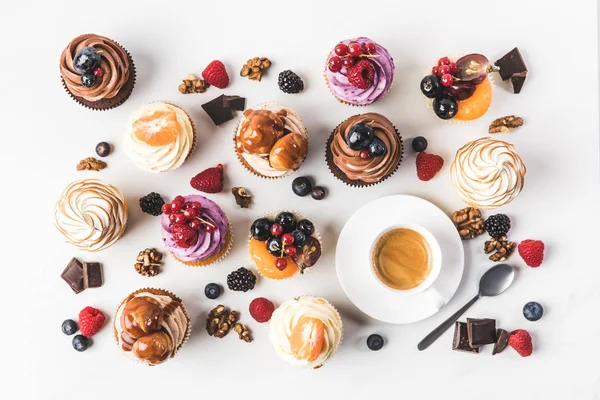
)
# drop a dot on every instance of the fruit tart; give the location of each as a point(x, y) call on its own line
point(284, 244)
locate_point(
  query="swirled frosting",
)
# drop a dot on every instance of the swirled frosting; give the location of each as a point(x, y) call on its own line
point(114, 62)
point(162, 154)
point(91, 215)
point(487, 173)
point(207, 244)
point(287, 316)
point(375, 168)
point(384, 75)
point(151, 325)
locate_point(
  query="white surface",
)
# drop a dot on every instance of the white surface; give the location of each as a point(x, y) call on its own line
point(353, 259)
point(45, 134)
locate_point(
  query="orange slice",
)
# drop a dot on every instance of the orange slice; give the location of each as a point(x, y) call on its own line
point(265, 262)
point(476, 105)
point(306, 340)
point(158, 128)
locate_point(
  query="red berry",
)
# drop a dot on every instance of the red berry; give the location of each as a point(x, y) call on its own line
point(261, 309)
point(179, 200)
point(371, 48)
point(355, 49)
point(90, 321)
point(520, 340)
point(335, 64)
point(532, 252)
point(428, 165)
point(288, 239)
point(362, 74)
point(444, 69)
point(209, 181)
point(276, 229)
point(443, 61)
point(216, 74)
point(166, 208)
point(210, 228)
point(348, 62)
point(172, 218)
point(364, 154)
point(435, 70)
point(453, 68)
point(175, 207)
point(281, 264)
point(190, 213)
point(195, 224)
point(184, 235)
point(341, 49)
point(290, 251)
point(446, 80)
point(99, 72)
point(180, 218)
point(196, 205)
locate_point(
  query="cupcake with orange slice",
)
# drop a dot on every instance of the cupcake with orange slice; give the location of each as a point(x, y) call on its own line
point(284, 244)
point(460, 90)
point(306, 331)
point(160, 137)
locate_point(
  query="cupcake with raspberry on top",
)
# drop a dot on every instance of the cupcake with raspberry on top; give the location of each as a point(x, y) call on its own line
point(195, 230)
point(359, 71)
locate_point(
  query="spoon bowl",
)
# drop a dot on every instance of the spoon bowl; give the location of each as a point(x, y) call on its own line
point(496, 280)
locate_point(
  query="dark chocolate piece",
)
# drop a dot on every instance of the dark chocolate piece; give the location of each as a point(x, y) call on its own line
point(234, 102)
point(481, 331)
point(501, 341)
point(217, 113)
point(73, 275)
point(512, 66)
point(461, 339)
point(92, 275)
point(517, 81)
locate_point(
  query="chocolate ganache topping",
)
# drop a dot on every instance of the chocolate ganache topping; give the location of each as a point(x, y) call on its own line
point(375, 168)
point(114, 63)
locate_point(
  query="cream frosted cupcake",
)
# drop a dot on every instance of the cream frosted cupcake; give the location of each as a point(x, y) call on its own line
point(160, 137)
point(151, 325)
point(487, 173)
point(91, 215)
point(271, 140)
point(306, 331)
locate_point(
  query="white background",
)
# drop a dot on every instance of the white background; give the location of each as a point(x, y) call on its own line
point(44, 134)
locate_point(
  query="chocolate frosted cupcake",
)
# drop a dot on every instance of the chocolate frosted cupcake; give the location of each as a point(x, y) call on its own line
point(364, 150)
point(97, 72)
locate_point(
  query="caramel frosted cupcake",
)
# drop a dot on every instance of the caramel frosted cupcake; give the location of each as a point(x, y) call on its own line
point(97, 72)
point(364, 150)
point(306, 331)
point(91, 215)
point(151, 325)
point(271, 140)
point(160, 137)
point(487, 173)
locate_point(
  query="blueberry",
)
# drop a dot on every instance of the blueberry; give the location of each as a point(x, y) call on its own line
point(88, 80)
point(306, 226)
point(69, 327)
point(419, 144)
point(286, 220)
point(533, 311)
point(274, 246)
point(318, 193)
point(360, 136)
point(103, 149)
point(431, 86)
point(445, 107)
point(377, 148)
point(299, 237)
point(375, 342)
point(81, 343)
point(212, 291)
point(86, 60)
point(261, 229)
point(301, 186)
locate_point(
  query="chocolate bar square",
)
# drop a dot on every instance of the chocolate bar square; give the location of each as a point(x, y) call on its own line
point(481, 331)
point(73, 275)
point(501, 341)
point(92, 275)
point(512, 66)
point(217, 113)
point(461, 339)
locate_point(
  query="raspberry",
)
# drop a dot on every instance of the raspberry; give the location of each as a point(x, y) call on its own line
point(428, 165)
point(520, 340)
point(90, 321)
point(362, 74)
point(216, 74)
point(532, 252)
point(261, 309)
point(209, 181)
point(184, 236)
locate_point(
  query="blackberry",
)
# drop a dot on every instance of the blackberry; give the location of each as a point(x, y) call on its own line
point(152, 204)
point(241, 280)
point(497, 225)
point(289, 82)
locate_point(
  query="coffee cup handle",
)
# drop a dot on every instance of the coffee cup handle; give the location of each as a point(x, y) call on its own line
point(435, 298)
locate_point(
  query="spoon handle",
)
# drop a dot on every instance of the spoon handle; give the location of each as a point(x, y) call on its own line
point(443, 327)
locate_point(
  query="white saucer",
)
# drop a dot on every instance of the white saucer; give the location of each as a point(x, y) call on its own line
point(354, 271)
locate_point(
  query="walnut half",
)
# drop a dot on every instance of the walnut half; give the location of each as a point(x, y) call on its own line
point(501, 248)
point(505, 124)
point(469, 222)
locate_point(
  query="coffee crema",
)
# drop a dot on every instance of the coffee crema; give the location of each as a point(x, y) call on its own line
point(402, 259)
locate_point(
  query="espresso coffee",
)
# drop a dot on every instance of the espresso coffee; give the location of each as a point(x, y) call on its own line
point(402, 258)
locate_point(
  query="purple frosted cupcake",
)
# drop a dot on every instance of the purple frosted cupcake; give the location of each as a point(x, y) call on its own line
point(359, 71)
point(195, 230)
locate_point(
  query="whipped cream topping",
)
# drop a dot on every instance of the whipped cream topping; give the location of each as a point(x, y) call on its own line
point(487, 173)
point(91, 215)
point(159, 158)
point(287, 315)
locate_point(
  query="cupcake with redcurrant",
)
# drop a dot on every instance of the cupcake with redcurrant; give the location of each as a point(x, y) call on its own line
point(97, 72)
point(271, 140)
point(460, 90)
point(284, 244)
point(195, 230)
point(359, 71)
point(364, 150)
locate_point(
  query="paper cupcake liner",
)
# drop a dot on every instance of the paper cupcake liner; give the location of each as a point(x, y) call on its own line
point(247, 166)
point(111, 103)
point(215, 258)
point(271, 215)
point(340, 175)
point(188, 331)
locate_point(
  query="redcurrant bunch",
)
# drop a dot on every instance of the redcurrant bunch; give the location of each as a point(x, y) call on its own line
point(346, 54)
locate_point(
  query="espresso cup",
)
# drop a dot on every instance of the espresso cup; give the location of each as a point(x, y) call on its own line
point(405, 258)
